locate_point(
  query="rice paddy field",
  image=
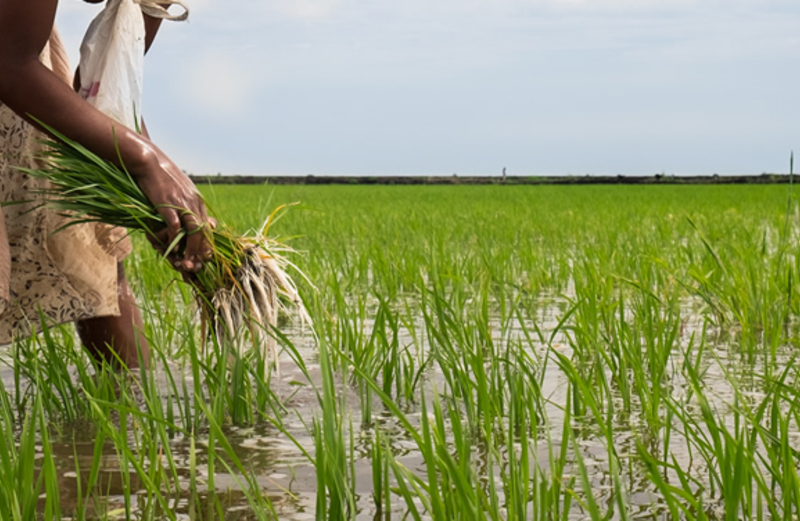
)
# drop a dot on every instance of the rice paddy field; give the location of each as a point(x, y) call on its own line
point(477, 352)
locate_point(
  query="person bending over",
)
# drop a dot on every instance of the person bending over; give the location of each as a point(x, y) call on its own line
point(76, 274)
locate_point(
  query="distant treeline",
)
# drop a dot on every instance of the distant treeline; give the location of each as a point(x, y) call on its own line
point(492, 180)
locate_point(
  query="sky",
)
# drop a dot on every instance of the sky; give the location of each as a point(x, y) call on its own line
point(469, 87)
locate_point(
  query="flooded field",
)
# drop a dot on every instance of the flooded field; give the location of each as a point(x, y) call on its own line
point(503, 353)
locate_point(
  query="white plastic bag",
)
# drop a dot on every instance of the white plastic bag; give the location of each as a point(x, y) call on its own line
point(112, 58)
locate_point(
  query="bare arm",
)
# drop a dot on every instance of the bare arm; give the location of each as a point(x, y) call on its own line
point(151, 26)
point(33, 91)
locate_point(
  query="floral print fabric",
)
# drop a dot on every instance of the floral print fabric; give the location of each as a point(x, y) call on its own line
point(67, 275)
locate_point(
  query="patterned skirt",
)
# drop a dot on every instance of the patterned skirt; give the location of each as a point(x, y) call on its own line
point(64, 275)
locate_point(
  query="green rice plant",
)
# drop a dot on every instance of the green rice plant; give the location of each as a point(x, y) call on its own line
point(450, 488)
point(333, 456)
point(51, 358)
point(600, 415)
point(464, 354)
point(553, 495)
point(684, 500)
point(653, 338)
point(746, 284)
point(591, 323)
point(561, 325)
point(778, 457)
point(729, 447)
point(20, 486)
point(141, 439)
point(128, 412)
point(260, 504)
point(518, 437)
point(333, 460)
point(137, 450)
point(381, 491)
point(92, 484)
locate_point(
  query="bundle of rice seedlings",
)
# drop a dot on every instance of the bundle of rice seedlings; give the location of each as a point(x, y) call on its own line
point(241, 290)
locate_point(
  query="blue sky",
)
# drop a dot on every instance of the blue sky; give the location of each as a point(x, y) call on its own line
point(436, 87)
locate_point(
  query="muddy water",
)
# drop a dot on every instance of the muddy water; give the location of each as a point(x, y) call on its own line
point(287, 477)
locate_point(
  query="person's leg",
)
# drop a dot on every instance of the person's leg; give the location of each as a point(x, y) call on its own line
point(104, 336)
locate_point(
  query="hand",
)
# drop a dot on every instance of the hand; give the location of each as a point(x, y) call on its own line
point(182, 207)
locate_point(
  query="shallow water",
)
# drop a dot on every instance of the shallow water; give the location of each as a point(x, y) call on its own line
point(288, 478)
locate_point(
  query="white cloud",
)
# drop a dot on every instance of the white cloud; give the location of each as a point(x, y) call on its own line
point(219, 83)
point(250, 12)
point(307, 8)
point(414, 85)
point(68, 7)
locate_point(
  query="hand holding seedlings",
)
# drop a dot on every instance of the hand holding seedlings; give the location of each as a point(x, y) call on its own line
point(185, 239)
point(242, 284)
